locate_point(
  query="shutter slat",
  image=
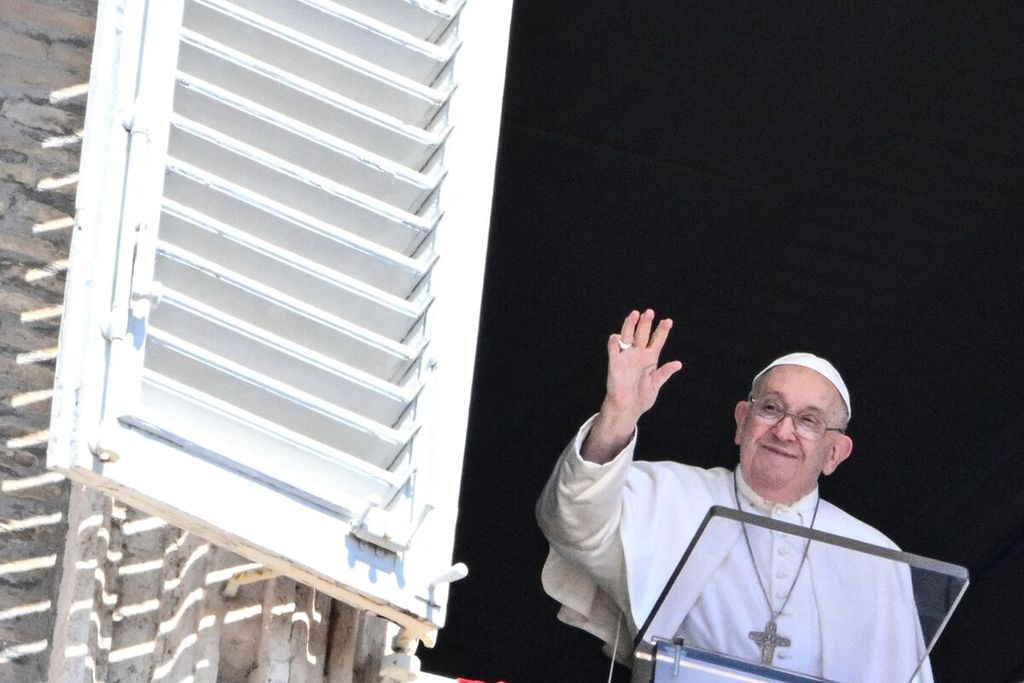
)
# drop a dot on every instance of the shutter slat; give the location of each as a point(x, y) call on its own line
point(356, 34)
point(312, 104)
point(286, 317)
point(335, 293)
point(245, 440)
point(275, 401)
point(294, 143)
point(403, 98)
point(289, 184)
point(285, 228)
point(285, 361)
point(426, 19)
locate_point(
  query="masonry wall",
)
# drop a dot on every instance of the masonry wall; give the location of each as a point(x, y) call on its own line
point(91, 589)
point(44, 66)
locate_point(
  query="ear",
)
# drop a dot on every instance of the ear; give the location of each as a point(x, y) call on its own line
point(740, 413)
point(841, 450)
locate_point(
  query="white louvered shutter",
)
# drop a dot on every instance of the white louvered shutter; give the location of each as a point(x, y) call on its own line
point(272, 304)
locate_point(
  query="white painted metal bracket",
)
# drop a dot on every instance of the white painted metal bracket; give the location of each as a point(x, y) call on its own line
point(384, 530)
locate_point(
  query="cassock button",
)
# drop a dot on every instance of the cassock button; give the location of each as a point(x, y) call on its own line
point(781, 574)
point(781, 595)
point(783, 551)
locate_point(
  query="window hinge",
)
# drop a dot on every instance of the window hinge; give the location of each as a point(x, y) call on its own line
point(114, 325)
point(144, 300)
point(136, 118)
point(100, 446)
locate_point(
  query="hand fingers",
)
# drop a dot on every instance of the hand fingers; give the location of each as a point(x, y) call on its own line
point(643, 329)
point(661, 334)
point(629, 327)
point(636, 331)
point(662, 374)
point(613, 345)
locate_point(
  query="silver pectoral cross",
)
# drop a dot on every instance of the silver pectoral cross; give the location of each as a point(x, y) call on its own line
point(768, 640)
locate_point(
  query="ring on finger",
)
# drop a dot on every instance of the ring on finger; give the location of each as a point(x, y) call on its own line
point(623, 345)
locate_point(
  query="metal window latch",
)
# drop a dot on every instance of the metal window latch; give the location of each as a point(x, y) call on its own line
point(456, 572)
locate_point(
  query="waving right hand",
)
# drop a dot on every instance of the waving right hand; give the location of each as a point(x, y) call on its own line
point(634, 380)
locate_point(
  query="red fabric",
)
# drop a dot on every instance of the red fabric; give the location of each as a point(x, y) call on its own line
point(466, 680)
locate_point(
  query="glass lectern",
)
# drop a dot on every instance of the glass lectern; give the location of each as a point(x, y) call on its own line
point(873, 602)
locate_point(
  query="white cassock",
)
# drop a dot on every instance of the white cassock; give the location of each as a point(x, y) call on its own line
point(617, 532)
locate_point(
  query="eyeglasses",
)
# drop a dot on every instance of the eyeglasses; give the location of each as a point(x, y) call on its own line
point(808, 424)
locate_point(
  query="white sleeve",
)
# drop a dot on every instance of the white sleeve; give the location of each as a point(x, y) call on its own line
point(579, 513)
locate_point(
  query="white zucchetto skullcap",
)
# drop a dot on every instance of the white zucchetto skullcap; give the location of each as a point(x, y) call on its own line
point(820, 366)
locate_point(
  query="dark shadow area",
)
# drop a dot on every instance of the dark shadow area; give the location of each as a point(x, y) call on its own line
point(775, 177)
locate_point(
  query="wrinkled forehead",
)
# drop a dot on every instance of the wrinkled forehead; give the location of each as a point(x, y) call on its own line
point(800, 388)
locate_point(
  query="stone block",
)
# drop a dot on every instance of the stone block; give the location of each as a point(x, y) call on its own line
point(30, 48)
point(34, 79)
point(72, 57)
point(69, 20)
point(42, 117)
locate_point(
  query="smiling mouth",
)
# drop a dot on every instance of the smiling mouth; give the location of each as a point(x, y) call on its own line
point(779, 452)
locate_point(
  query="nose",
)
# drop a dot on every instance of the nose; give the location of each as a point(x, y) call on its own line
point(785, 429)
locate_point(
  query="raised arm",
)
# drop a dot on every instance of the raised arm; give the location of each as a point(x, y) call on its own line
point(634, 380)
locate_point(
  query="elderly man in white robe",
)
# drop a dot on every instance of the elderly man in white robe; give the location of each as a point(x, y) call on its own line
point(617, 527)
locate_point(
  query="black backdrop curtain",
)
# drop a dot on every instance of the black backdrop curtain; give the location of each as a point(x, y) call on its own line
point(840, 178)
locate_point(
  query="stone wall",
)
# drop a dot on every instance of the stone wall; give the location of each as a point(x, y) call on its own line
point(91, 589)
point(45, 50)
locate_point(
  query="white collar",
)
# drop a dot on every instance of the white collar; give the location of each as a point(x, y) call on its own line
point(752, 499)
